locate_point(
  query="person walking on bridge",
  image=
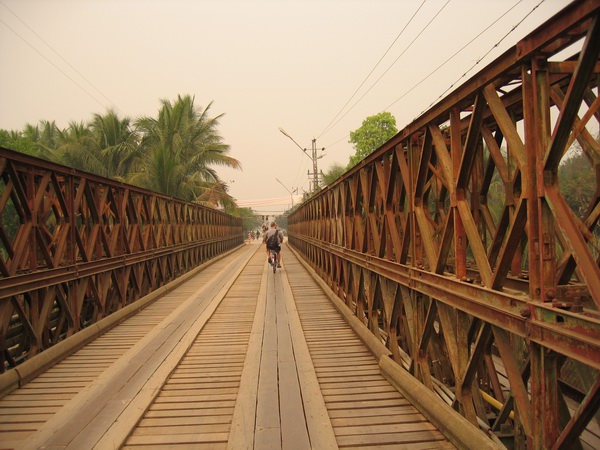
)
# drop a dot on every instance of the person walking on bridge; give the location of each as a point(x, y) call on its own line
point(274, 243)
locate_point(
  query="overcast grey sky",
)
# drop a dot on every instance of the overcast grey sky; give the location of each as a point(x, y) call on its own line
point(265, 64)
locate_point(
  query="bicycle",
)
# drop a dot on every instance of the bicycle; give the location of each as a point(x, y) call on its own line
point(273, 255)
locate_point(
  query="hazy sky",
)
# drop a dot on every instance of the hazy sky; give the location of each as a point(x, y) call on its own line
point(264, 64)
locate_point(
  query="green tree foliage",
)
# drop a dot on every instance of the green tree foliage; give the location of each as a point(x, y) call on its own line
point(45, 135)
point(250, 220)
point(282, 220)
point(335, 171)
point(174, 153)
point(18, 141)
point(577, 179)
point(179, 148)
point(115, 152)
point(372, 134)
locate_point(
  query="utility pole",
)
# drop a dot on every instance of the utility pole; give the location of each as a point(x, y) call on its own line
point(315, 173)
point(314, 158)
point(291, 192)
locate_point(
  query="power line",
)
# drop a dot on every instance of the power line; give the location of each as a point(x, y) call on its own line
point(338, 141)
point(265, 202)
point(487, 53)
point(442, 64)
point(391, 65)
point(61, 57)
point(314, 158)
point(452, 57)
point(373, 69)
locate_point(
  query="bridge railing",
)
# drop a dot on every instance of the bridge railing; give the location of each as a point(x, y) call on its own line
point(75, 248)
point(455, 245)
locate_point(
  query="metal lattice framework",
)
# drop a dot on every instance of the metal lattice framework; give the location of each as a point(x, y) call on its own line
point(75, 248)
point(496, 311)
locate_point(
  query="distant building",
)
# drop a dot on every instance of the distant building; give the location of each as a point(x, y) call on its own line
point(267, 219)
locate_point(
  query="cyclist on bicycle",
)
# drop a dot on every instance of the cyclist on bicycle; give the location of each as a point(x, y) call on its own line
point(275, 241)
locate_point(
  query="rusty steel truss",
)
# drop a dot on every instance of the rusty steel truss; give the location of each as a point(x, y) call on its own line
point(497, 313)
point(75, 248)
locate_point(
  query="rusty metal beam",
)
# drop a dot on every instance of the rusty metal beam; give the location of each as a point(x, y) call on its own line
point(84, 246)
point(420, 219)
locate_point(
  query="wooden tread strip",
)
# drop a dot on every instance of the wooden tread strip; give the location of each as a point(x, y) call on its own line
point(279, 403)
point(365, 409)
point(90, 415)
point(195, 406)
point(79, 370)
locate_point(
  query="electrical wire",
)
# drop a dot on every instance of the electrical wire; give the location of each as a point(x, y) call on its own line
point(446, 61)
point(482, 57)
point(372, 70)
point(452, 57)
point(61, 57)
point(265, 201)
point(442, 64)
point(301, 167)
point(391, 65)
point(338, 141)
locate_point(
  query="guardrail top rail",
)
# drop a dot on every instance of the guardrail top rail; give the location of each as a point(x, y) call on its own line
point(75, 247)
point(455, 244)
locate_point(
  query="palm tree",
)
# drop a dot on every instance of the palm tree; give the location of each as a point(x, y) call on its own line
point(179, 148)
point(45, 135)
point(215, 194)
point(73, 146)
point(116, 153)
point(107, 146)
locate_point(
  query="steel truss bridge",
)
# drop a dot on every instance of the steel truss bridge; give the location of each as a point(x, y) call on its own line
point(451, 251)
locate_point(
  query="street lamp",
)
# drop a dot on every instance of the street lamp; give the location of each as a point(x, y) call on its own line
point(314, 158)
point(291, 192)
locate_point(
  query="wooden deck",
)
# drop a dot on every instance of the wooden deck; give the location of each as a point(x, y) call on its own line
point(237, 357)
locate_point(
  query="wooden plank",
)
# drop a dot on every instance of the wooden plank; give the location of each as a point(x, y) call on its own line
point(378, 420)
point(214, 397)
point(115, 388)
point(30, 418)
point(390, 438)
point(355, 396)
point(194, 390)
point(294, 429)
point(193, 438)
point(268, 428)
point(388, 428)
point(193, 420)
point(205, 360)
point(365, 409)
point(179, 446)
point(317, 419)
point(342, 390)
point(107, 349)
point(190, 412)
point(244, 416)
point(192, 348)
point(170, 429)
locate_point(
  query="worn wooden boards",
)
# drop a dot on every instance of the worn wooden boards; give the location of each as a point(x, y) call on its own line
point(273, 366)
point(195, 406)
point(78, 371)
point(72, 376)
point(365, 410)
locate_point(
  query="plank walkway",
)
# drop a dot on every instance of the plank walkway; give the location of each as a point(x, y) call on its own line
point(237, 357)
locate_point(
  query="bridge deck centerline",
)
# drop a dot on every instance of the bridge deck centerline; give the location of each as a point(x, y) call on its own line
point(310, 408)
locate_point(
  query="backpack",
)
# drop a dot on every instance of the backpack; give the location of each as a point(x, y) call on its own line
point(273, 241)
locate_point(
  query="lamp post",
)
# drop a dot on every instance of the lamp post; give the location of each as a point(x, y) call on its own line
point(291, 192)
point(314, 158)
